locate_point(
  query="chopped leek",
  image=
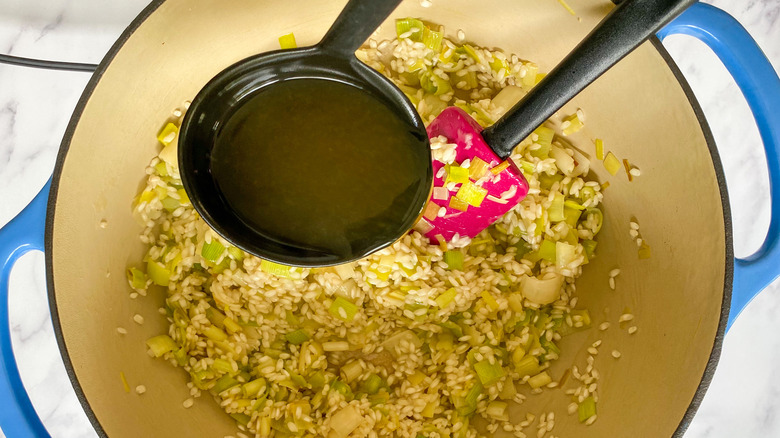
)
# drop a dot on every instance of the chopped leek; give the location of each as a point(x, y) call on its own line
point(515, 301)
point(446, 297)
point(170, 204)
point(215, 333)
point(454, 260)
point(488, 373)
point(373, 383)
point(343, 309)
point(276, 269)
point(287, 41)
point(212, 251)
point(478, 168)
point(416, 378)
point(611, 163)
point(458, 204)
point(541, 290)
point(224, 383)
point(497, 410)
point(586, 409)
point(544, 140)
point(236, 253)
point(344, 421)
point(136, 278)
point(571, 215)
point(508, 391)
point(222, 365)
point(574, 124)
point(472, 194)
point(297, 337)
point(167, 134)
point(599, 217)
point(489, 300)
point(564, 254)
point(351, 371)
point(411, 28)
point(159, 345)
point(429, 410)
point(342, 388)
point(563, 161)
point(242, 419)
point(496, 64)
point(254, 387)
point(508, 97)
point(540, 380)
point(547, 250)
point(158, 273)
point(555, 213)
point(434, 84)
point(471, 52)
point(599, 149)
point(457, 174)
point(432, 39)
point(504, 164)
point(529, 80)
point(590, 247)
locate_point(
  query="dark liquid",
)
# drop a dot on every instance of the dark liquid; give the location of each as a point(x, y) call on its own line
point(321, 165)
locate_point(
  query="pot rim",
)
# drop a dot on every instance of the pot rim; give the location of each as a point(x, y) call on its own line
point(712, 361)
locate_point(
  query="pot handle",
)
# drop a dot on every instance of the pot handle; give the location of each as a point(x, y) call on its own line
point(760, 86)
point(24, 233)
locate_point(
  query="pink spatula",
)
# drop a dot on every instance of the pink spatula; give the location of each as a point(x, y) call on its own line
point(465, 202)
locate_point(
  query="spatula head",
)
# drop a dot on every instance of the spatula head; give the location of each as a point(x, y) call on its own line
point(505, 188)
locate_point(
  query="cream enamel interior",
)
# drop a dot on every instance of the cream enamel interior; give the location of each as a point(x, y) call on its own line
point(638, 108)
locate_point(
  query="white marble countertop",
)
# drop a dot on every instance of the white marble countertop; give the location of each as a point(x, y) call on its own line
point(35, 106)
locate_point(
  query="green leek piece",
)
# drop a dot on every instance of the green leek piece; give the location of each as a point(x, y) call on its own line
point(379, 399)
point(159, 274)
point(216, 317)
point(167, 134)
point(429, 410)
point(215, 333)
point(546, 181)
point(417, 378)
point(599, 149)
point(497, 410)
point(488, 373)
point(181, 356)
point(586, 409)
point(508, 391)
point(446, 297)
point(222, 366)
point(212, 251)
point(470, 400)
point(454, 260)
point(159, 345)
point(455, 329)
point(527, 366)
point(344, 421)
point(587, 193)
point(242, 419)
point(515, 301)
point(372, 384)
point(343, 309)
point(432, 39)
point(299, 381)
point(297, 337)
point(497, 64)
point(571, 216)
point(276, 269)
point(490, 301)
point(161, 168)
point(136, 278)
point(317, 380)
point(457, 174)
point(549, 346)
point(236, 253)
point(287, 41)
point(223, 384)
point(526, 167)
point(590, 248)
point(564, 254)
point(471, 52)
point(434, 84)
point(404, 25)
point(599, 217)
point(231, 325)
point(539, 380)
point(351, 370)
point(471, 194)
point(254, 387)
point(529, 80)
point(547, 250)
point(575, 124)
point(555, 213)
point(343, 389)
point(170, 204)
point(544, 140)
point(611, 163)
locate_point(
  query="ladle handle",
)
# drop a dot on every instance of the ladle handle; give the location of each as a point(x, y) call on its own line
point(627, 26)
point(357, 21)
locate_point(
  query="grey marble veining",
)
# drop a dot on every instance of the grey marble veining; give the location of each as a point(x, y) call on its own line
point(744, 398)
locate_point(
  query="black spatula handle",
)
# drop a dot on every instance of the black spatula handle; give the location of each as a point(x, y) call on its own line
point(627, 26)
point(357, 21)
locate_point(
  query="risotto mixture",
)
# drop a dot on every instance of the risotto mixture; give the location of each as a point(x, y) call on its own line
point(417, 340)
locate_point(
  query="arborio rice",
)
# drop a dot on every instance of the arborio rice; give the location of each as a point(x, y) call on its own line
point(400, 343)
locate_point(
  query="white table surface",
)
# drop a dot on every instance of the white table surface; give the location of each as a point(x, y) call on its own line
point(35, 106)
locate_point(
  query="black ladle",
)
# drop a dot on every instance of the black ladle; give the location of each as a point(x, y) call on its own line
point(628, 25)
